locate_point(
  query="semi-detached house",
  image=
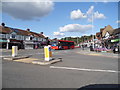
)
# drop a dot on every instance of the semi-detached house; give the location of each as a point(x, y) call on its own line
point(24, 39)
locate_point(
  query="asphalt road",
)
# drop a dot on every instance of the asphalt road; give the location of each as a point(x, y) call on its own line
point(75, 71)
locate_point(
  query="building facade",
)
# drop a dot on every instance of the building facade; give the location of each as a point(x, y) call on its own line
point(24, 39)
point(108, 37)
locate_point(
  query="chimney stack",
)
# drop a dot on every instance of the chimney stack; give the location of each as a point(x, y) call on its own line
point(28, 29)
point(41, 32)
point(3, 24)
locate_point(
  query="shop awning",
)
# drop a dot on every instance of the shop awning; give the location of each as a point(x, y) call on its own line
point(115, 40)
point(3, 40)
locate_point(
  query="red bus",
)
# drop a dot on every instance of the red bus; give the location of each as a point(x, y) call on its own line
point(62, 44)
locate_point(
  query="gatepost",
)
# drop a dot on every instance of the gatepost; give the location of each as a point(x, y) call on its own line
point(47, 53)
point(14, 51)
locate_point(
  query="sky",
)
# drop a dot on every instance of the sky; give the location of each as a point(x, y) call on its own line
point(60, 19)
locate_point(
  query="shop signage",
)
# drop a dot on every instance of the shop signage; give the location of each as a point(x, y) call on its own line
point(115, 40)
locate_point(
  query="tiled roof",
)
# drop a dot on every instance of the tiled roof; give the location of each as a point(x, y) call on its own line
point(108, 29)
point(5, 30)
point(8, 30)
point(98, 35)
point(101, 30)
point(36, 34)
point(116, 31)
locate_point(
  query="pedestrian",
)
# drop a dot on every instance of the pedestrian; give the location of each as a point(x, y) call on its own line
point(36, 47)
point(91, 47)
point(82, 47)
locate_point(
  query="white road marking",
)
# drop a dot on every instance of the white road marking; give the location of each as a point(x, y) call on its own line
point(34, 54)
point(20, 54)
point(83, 69)
point(5, 56)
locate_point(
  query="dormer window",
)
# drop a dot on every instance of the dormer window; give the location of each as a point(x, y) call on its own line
point(13, 35)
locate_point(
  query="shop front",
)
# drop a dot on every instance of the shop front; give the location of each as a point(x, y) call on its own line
point(29, 45)
point(14, 42)
point(37, 44)
point(3, 43)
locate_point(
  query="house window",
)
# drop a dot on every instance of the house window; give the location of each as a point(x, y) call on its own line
point(107, 35)
point(98, 35)
point(30, 38)
point(20, 37)
point(36, 39)
point(27, 38)
point(7, 36)
point(44, 39)
point(13, 36)
point(24, 37)
point(2, 36)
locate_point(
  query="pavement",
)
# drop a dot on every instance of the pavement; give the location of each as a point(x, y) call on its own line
point(93, 53)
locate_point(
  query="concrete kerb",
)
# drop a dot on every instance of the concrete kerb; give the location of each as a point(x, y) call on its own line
point(16, 58)
point(47, 62)
point(37, 62)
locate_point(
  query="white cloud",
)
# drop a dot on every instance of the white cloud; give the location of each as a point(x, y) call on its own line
point(28, 10)
point(58, 34)
point(90, 10)
point(25, 0)
point(90, 20)
point(73, 36)
point(75, 28)
point(85, 35)
point(98, 15)
point(105, 1)
point(77, 14)
point(118, 21)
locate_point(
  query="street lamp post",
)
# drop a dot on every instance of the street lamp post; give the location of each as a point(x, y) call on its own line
point(92, 29)
point(77, 40)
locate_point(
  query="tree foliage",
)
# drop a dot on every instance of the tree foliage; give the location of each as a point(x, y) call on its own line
point(78, 40)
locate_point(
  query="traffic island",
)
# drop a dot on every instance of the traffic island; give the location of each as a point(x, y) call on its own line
point(15, 58)
point(48, 57)
point(47, 62)
point(15, 55)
